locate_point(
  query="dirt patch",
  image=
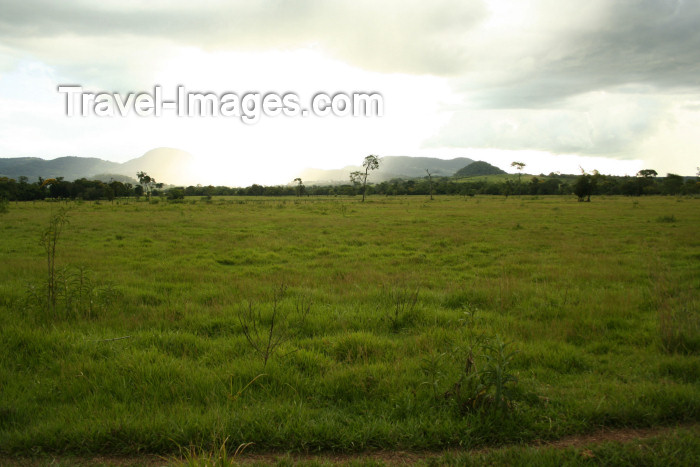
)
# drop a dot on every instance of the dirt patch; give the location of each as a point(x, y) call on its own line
point(623, 435)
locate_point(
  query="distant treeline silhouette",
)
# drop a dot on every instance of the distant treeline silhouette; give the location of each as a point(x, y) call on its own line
point(553, 184)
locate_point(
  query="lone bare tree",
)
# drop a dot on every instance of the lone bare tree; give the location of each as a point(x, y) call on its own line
point(430, 182)
point(371, 162)
point(519, 166)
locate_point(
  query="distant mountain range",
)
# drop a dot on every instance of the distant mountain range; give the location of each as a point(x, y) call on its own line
point(70, 168)
point(166, 165)
point(176, 167)
point(390, 167)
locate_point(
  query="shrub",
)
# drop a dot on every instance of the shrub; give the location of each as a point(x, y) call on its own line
point(486, 383)
point(267, 330)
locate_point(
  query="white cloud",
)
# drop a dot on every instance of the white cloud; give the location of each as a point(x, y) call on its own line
point(600, 122)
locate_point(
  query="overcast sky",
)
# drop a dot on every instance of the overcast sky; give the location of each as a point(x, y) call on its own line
point(612, 85)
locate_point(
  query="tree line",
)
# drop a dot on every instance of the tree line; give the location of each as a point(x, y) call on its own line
point(645, 183)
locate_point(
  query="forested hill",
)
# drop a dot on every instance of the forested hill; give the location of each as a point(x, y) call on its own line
point(479, 168)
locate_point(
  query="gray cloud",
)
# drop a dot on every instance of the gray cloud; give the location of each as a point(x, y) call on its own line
point(647, 43)
point(596, 82)
point(396, 36)
point(570, 51)
point(567, 49)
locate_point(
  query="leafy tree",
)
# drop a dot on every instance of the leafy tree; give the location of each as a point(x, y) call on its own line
point(59, 188)
point(520, 166)
point(673, 184)
point(108, 193)
point(647, 173)
point(531, 187)
point(585, 185)
point(371, 162)
point(549, 187)
point(147, 182)
point(508, 188)
point(120, 189)
point(299, 189)
point(645, 182)
point(692, 186)
point(255, 190)
point(176, 193)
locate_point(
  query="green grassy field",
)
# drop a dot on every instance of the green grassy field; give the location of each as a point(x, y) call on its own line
point(400, 323)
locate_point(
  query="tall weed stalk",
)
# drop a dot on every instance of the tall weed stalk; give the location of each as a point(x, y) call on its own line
point(49, 240)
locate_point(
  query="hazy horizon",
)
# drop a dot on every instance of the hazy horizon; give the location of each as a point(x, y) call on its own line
point(187, 172)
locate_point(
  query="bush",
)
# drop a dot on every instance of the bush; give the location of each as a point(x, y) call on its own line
point(176, 193)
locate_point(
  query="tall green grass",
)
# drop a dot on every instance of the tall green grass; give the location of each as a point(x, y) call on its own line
point(598, 302)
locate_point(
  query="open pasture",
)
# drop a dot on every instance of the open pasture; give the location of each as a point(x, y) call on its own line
point(312, 325)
